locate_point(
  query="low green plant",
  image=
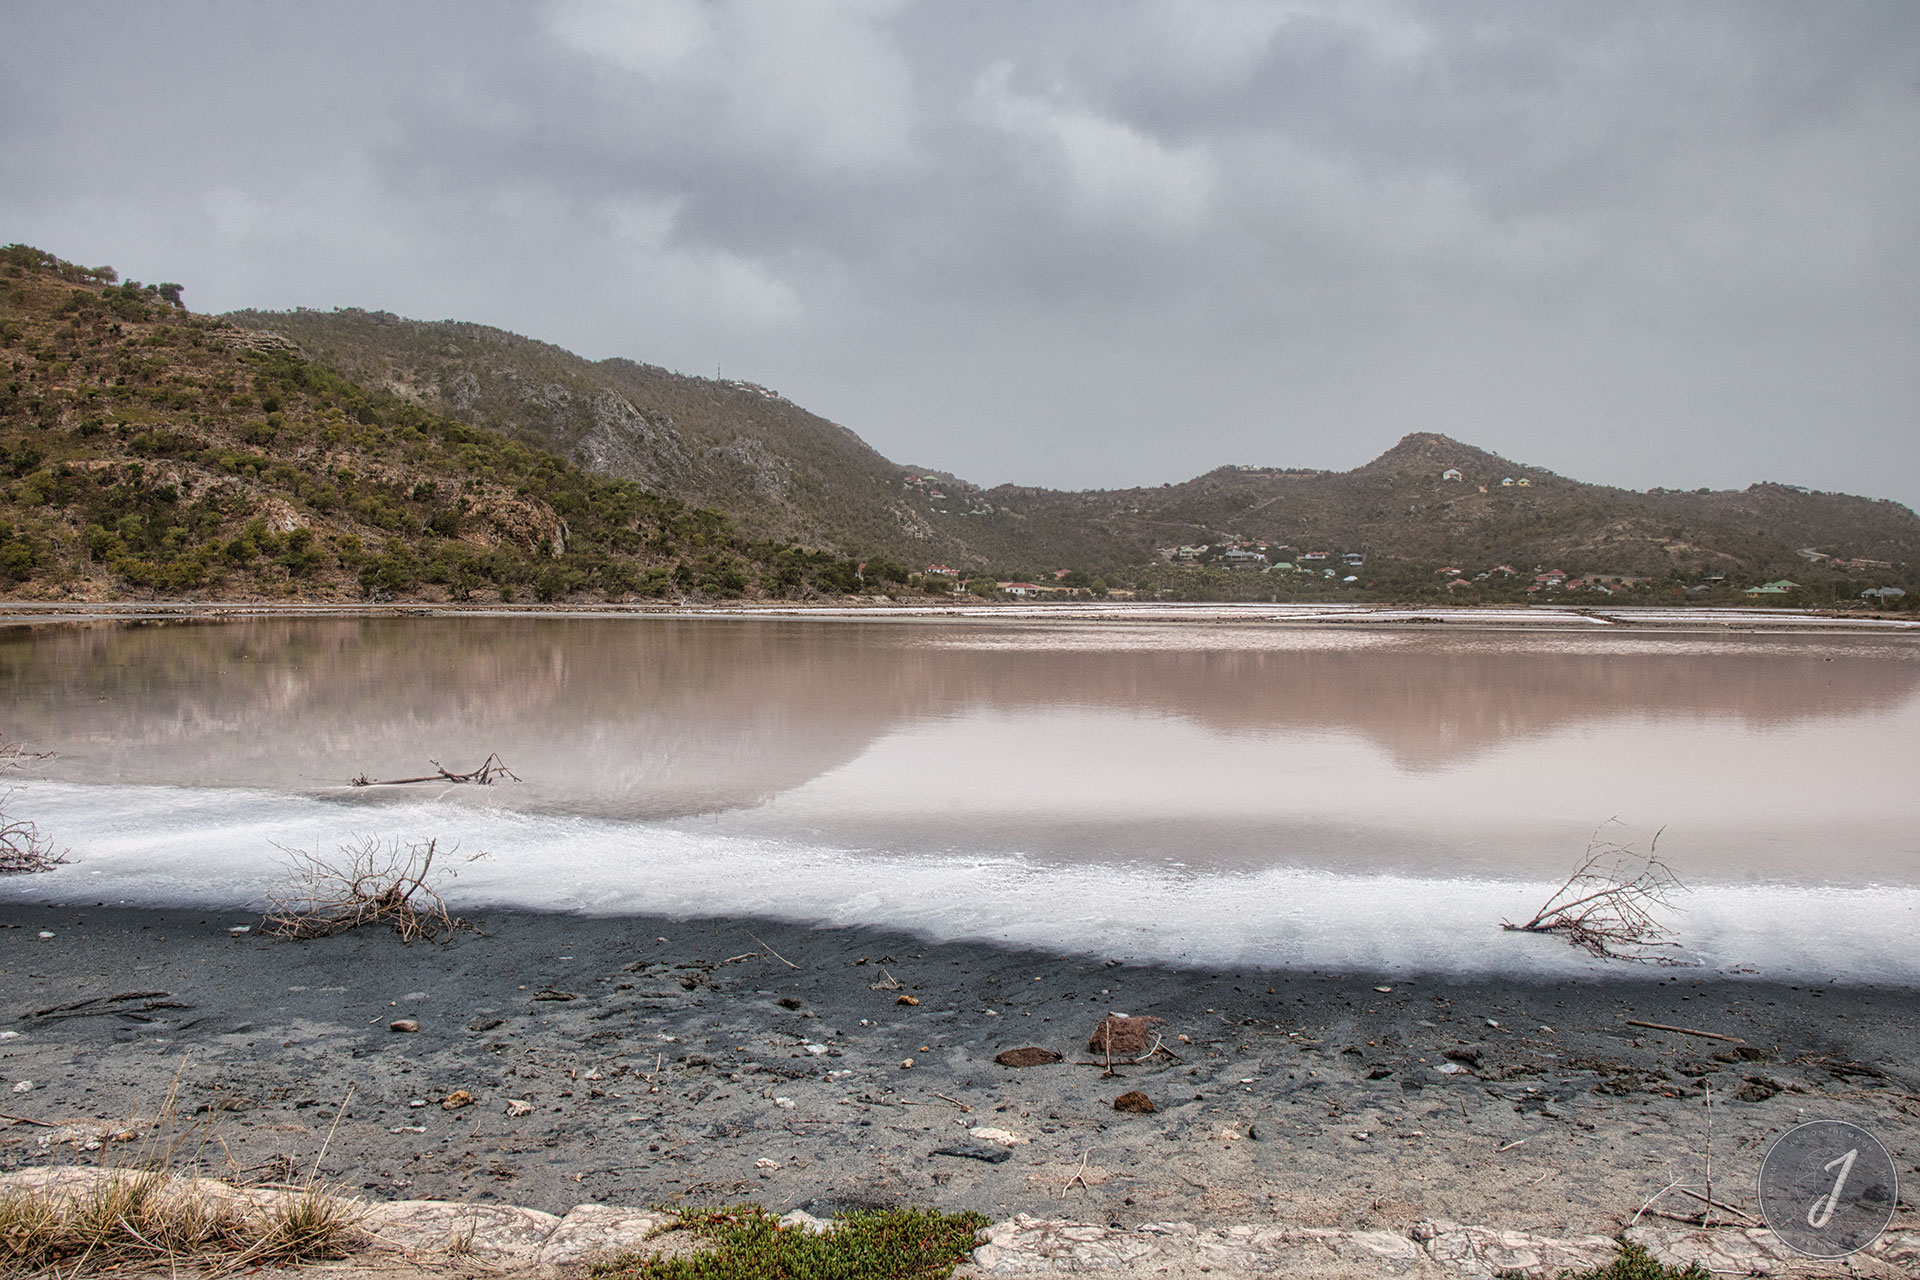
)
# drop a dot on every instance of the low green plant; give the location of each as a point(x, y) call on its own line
point(748, 1243)
point(1633, 1262)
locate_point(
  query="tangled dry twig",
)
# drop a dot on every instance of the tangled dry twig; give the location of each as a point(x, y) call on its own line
point(22, 846)
point(370, 882)
point(1609, 906)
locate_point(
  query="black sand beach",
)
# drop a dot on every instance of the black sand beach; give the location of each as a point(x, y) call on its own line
point(642, 1060)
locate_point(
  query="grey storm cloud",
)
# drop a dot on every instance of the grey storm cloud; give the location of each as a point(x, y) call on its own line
point(1080, 244)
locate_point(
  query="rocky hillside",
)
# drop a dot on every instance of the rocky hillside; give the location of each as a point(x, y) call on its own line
point(786, 473)
point(146, 450)
point(778, 470)
point(1405, 505)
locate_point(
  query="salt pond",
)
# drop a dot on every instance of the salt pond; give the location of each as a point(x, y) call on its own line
point(1209, 791)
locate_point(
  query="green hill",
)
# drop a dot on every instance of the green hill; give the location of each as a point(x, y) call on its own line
point(148, 451)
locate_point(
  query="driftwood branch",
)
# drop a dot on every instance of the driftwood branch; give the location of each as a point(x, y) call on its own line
point(776, 955)
point(1612, 904)
point(1685, 1031)
point(490, 769)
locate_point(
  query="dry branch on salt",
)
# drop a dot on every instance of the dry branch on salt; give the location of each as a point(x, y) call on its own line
point(22, 846)
point(368, 883)
point(490, 769)
point(1612, 903)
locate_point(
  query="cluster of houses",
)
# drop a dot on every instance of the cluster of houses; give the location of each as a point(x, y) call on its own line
point(1454, 475)
point(1330, 564)
point(1020, 590)
point(1783, 586)
point(1557, 580)
point(1786, 586)
point(1265, 557)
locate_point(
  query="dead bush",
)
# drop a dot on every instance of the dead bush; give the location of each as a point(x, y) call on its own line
point(22, 847)
point(1611, 904)
point(368, 882)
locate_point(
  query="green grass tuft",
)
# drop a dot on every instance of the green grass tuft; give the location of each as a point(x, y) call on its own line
point(749, 1244)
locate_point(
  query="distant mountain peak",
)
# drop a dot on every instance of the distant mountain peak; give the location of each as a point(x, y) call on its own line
point(1431, 451)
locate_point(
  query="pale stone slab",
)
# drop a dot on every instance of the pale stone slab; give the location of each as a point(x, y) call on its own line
point(67, 1180)
point(600, 1232)
point(1756, 1251)
point(1487, 1251)
point(442, 1226)
point(1025, 1245)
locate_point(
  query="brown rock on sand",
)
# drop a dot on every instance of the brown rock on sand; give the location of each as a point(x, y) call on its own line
point(1031, 1056)
point(1134, 1100)
point(1122, 1036)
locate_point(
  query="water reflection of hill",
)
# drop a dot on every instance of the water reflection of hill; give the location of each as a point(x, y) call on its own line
point(1434, 701)
point(658, 717)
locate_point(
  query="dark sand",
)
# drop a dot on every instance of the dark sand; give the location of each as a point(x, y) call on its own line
point(678, 1066)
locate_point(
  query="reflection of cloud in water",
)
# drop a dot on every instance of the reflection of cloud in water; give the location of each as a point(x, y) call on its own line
point(1814, 802)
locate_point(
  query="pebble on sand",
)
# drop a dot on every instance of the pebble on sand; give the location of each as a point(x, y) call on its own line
point(1134, 1100)
point(457, 1099)
point(1005, 1137)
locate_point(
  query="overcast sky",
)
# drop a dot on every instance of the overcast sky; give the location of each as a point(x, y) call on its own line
point(1077, 244)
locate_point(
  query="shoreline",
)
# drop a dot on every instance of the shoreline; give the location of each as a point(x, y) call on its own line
point(648, 1059)
point(1584, 618)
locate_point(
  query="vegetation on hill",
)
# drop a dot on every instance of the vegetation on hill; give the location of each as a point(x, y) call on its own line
point(353, 454)
point(1405, 514)
point(146, 450)
point(784, 472)
point(781, 472)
